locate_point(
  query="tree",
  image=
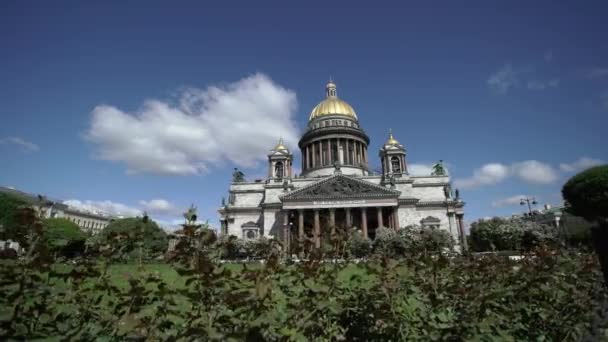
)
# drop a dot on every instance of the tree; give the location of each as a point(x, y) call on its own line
point(419, 240)
point(8, 220)
point(587, 194)
point(499, 234)
point(575, 230)
point(483, 234)
point(134, 237)
point(64, 236)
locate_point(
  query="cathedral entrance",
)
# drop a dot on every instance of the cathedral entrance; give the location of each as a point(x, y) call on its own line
point(316, 225)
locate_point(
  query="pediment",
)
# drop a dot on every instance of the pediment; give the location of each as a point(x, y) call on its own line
point(430, 219)
point(340, 186)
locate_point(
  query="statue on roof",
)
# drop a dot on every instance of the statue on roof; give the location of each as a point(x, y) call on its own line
point(238, 176)
point(392, 181)
point(337, 167)
point(190, 215)
point(447, 191)
point(438, 169)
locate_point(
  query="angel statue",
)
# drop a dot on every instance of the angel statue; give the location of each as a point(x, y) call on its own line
point(190, 215)
point(238, 176)
point(447, 191)
point(438, 169)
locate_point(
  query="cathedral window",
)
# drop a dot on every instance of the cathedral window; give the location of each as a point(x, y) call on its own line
point(396, 165)
point(278, 170)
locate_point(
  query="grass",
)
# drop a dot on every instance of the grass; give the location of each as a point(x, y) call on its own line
point(120, 273)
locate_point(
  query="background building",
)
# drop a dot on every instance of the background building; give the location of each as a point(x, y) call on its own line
point(87, 221)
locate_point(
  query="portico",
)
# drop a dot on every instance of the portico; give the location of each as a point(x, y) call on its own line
point(329, 204)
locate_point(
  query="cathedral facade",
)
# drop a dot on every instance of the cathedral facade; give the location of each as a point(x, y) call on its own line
point(336, 188)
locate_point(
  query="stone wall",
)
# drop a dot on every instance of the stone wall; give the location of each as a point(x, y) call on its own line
point(241, 218)
point(270, 222)
point(248, 199)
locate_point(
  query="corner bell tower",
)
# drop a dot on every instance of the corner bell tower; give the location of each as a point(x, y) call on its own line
point(280, 162)
point(392, 157)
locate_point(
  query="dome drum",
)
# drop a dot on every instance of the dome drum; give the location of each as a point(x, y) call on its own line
point(333, 137)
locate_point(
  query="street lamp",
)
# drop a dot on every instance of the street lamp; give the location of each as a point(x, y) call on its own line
point(289, 239)
point(529, 201)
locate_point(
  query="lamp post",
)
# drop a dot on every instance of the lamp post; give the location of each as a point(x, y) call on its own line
point(529, 201)
point(289, 239)
point(289, 231)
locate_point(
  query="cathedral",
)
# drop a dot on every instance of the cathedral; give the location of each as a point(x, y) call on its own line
point(336, 187)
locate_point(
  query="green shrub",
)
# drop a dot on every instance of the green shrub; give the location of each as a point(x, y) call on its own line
point(546, 298)
point(417, 240)
point(132, 238)
point(511, 234)
point(358, 246)
point(483, 234)
point(258, 248)
point(388, 243)
point(64, 237)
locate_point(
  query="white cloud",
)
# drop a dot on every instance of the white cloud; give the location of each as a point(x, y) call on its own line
point(509, 77)
point(597, 72)
point(25, 145)
point(160, 207)
point(580, 164)
point(157, 205)
point(504, 79)
point(420, 169)
point(529, 171)
point(513, 200)
point(238, 122)
point(542, 85)
point(488, 174)
point(104, 207)
point(533, 171)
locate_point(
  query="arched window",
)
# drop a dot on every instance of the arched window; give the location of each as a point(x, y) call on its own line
point(251, 234)
point(396, 165)
point(278, 170)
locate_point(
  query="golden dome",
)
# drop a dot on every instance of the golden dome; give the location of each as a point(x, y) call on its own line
point(280, 146)
point(332, 105)
point(391, 140)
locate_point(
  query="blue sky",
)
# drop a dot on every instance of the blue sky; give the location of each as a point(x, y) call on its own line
point(149, 105)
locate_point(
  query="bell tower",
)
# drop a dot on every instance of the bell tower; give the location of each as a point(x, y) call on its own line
point(280, 162)
point(392, 157)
